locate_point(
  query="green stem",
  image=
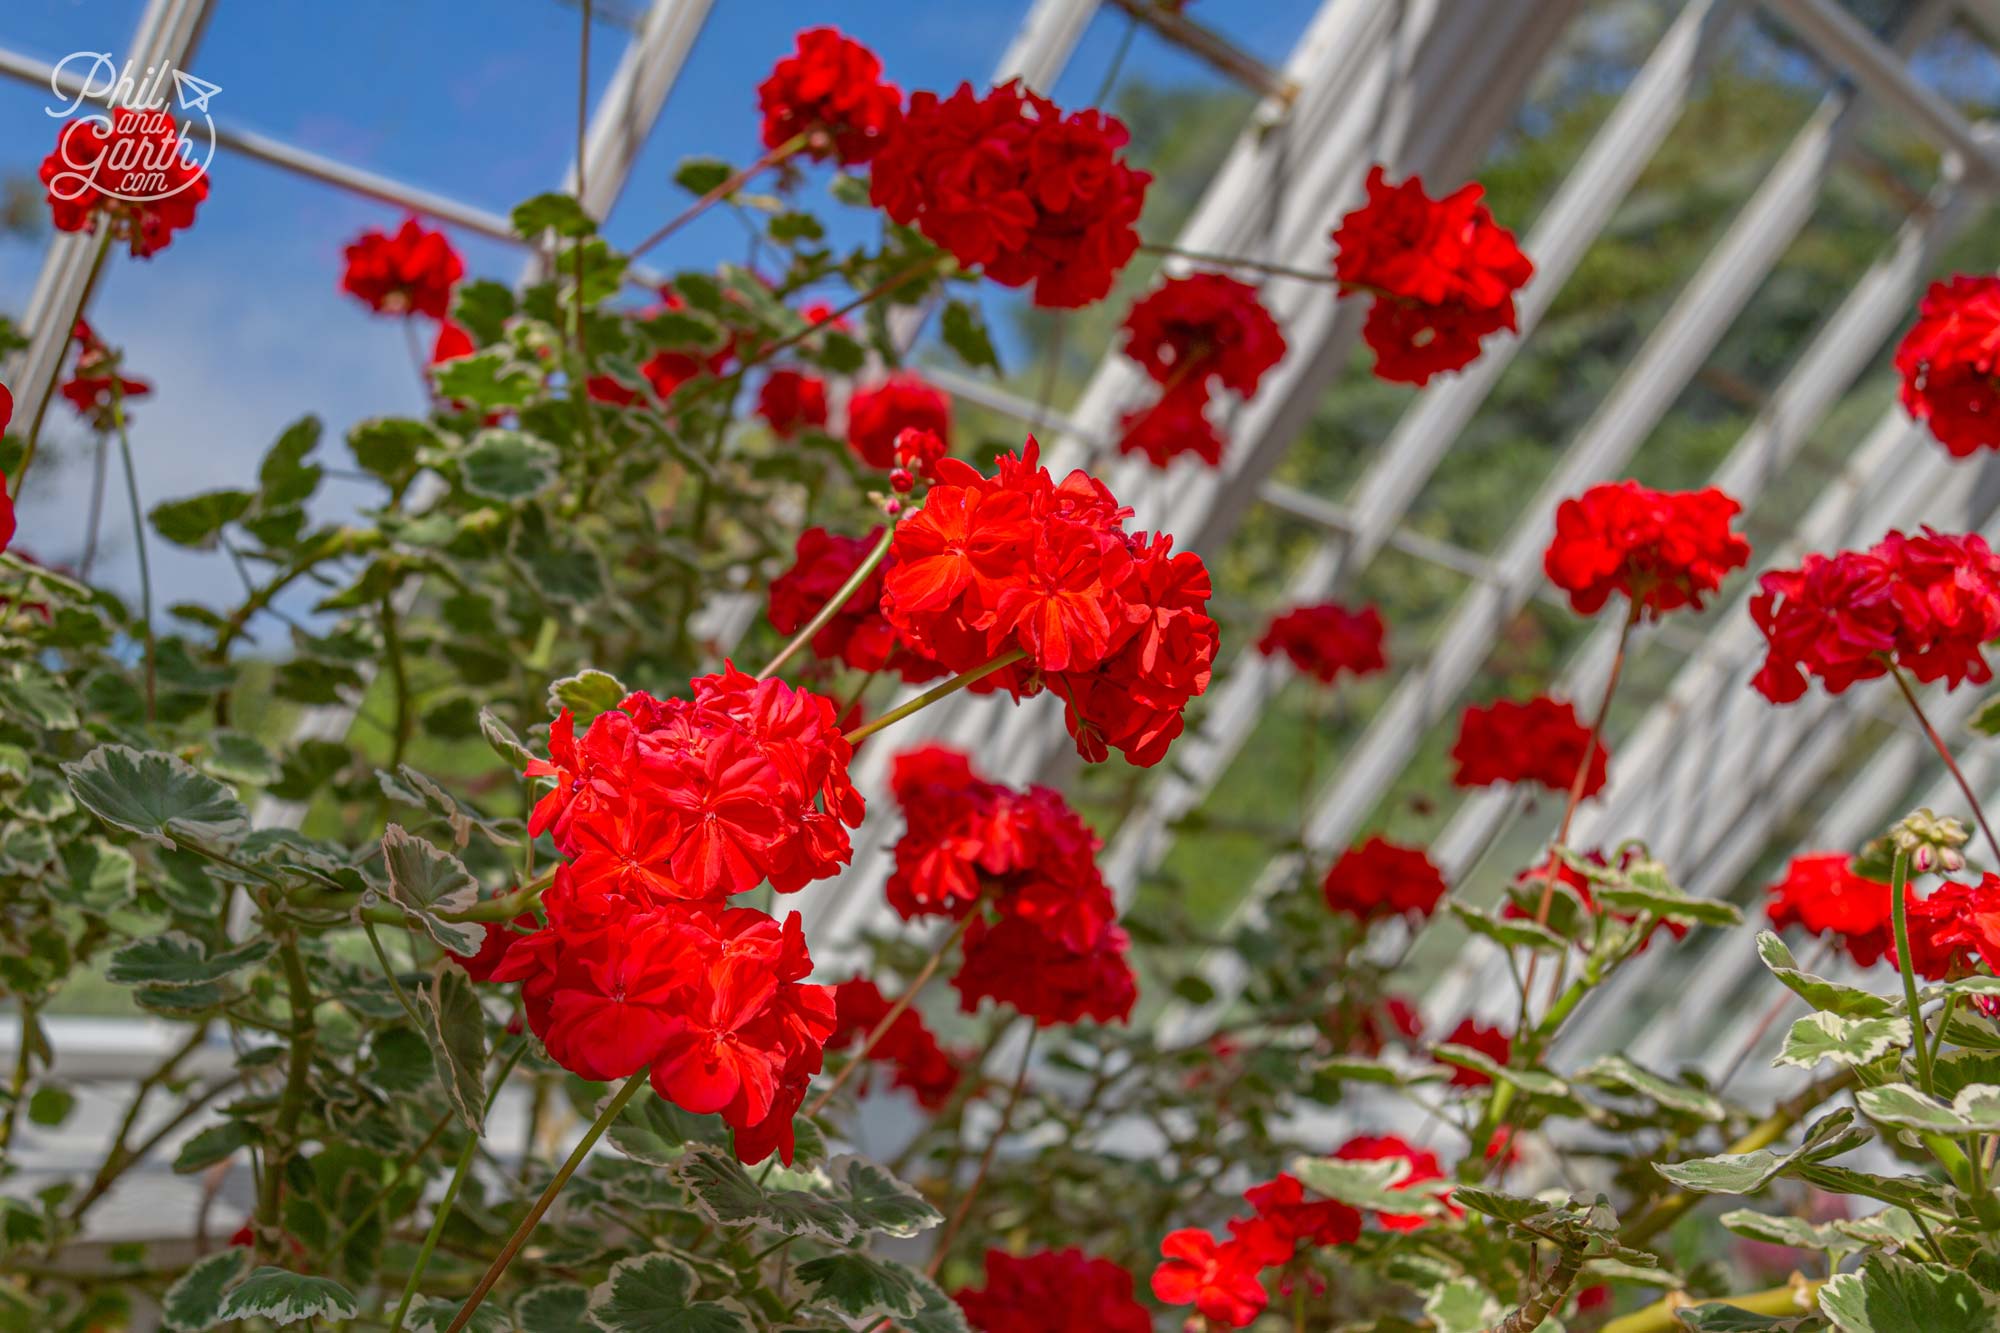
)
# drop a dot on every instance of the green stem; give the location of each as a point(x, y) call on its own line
point(833, 605)
point(632, 1087)
point(932, 695)
point(1794, 1298)
point(298, 1073)
point(139, 540)
point(1899, 917)
point(1549, 1295)
point(17, 1086)
point(399, 677)
point(389, 971)
point(443, 1215)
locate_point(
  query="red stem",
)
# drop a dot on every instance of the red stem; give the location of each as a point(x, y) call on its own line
point(1944, 753)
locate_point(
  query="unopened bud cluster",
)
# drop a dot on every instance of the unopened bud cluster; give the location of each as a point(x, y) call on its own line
point(1931, 842)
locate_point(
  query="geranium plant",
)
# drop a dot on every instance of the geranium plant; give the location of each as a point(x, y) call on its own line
point(556, 860)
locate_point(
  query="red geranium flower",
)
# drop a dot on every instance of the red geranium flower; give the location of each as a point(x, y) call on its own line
point(789, 400)
point(1177, 424)
point(499, 938)
point(1381, 879)
point(1490, 1042)
point(1327, 639)
point(1053, 1291)
point(878, 414)
point(858, 635)
point(1661, 549)
point(1821, 892)
point(832, 92)
point(1954, 929)
point(920, 1063)
point(1926, 604)
point(411, 272)
point(1948, 363)
point(1220, 1280)
point(452, 342)
point(1374, 1024)
point(1008, 182)
point(97, 385)
point(1423, 1167)
point(126, 169)
point(1282, 1204)
point(1443, 274)
point(1539, 740)
point(1206, 326)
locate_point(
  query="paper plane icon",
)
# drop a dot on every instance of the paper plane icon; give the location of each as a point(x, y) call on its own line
point(192, 92)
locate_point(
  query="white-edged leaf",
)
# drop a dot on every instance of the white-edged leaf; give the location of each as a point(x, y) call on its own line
point(286, 1298)
point(194, 1303)
point(157, 796)
point(1889, 1294)
point(172, 958)
point(655, 1293)
point(424, 881)
point(1847, 1041)
point(586, 694)
point(1974, 1110)
point(455, 1030)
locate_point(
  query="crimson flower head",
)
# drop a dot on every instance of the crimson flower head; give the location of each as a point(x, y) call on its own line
point(879, 413)
point(918, 450)
point(1539, 740)
point(1114, 622)
point(1423, 1167)
point(1218, 1279)
point(1380, 879)
point(1053, 1291)
point(1954, 929)
point(858, 635)
point(921, 1065)
point(409, 273)
point(1281, 1203)
point(831, 91)
point(1176, 424)
point(1442, 272)
point(1950, 364)
point(791, 399)
point(1045, 938)
point(1926, 605)
point(1008, 182)
point(1204, 327)
point(1662, 549)
point(1821, 893)
point(1327, 639)
point(97, 385)
point(126, 169)
point(1488, 1041)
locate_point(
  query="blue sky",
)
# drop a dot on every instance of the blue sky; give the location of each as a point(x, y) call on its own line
point(239, 324)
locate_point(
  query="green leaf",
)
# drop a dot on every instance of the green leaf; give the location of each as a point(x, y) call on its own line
point(724, 1191)
point(1975, 1109)
point(198, 520)
point(655, 1131)
point(586, 694)
point(654, 1293)
point(1827, 996)
point(286, 1298)
point(157, 796)
point(1360, 1069)
point(508, 465)
point(1792, 1231)
point(861, 1286)
point(699, 175)
point(1509, 933)
point(175, 959)
point(1716, 1317)
point(433, 1314)
point(1745, 1173)
point(505, 743)
point(940, 1313)
point(1615, 1071)
point(1371, 1185)
point(235, 757)
point(1462, 1306)
point(1894, 1295)
point(1987, 720)
point(217, 1143)
point(965, 333)
point(877, 1201)
point(1532, 1081)
point(455, 1030)
point(388, 447)
point(399, 1060)
point(97, 876)
point(1645, 888)
point(560, 213)
point(424, 881)
point(1847, 1041)
point(490, 380)
point(561, 1307)
point(194, 1303)
point(285, 478)
point(37, 698)
point(51, 1104)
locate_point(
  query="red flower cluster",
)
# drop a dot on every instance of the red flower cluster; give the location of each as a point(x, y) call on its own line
point(878, 414)
point(1926, 604)
point(96, 386)
point(1113, 622)
point(1821, 892)
point(664, 809)
point(409, 273)
point(1954, 929)
point(1187, 333)
point(1661, 549)
point(1950, 364)
point(790, 399)
point(101, 159)
point(1442, 271)
point(858, 635)
point(1327, 639)
point(1223, 1280)
point(1053, 1291)
point(921, 1065)
point(1423, 1167)
point(1009, 182)
point(1536, 741)
point(1051, 946)
point(832, 92)
point(1490, 1042)
point(1380, 879)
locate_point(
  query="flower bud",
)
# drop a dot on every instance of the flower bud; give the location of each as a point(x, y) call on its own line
point(1931, 841)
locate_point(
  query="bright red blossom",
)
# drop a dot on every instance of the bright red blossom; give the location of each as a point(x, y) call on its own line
point(1662, 549)
point(1282, 1204)
point(1821, 893)
point(97, 386)
point(1423, 1168)
point(857, 635)
point(1189, 334)
point(1218, 1279)
point(1926, 604)
point(1381, 879)
point(920, 1063)
point(409, 273)
point(831, 91)
point(1008, 182)
point(1488, 1041)
point(1176, 424)
point(1053, 1291)
point(123, 152)
point(1950, 363)
point(1327, 639)
point(1954, 929)
point(790, 399)
point(877, 415)
point(1539, 740)
point(1443, 274)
